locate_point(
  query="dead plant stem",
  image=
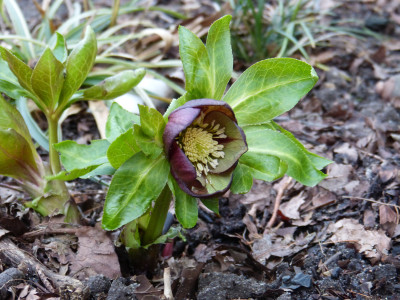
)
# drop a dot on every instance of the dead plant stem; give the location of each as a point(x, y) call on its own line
point(285, 182)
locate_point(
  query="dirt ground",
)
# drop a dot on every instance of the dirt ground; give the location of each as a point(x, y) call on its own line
point(338, 240)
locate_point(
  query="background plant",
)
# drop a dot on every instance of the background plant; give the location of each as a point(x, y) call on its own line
point(53, 86)
point(27, 43)
point(281, 28)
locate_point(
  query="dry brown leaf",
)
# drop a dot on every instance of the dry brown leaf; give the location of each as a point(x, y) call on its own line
point(96, 254)
point(369, 219)
point(251, 227)
point(392, 45)
point(348, 151)
point(3, 232)
point(338, 177)
point(72, 110)
point(203, 253)
point(306, 219)
point(146, 289)
point(388, 219)
point(100, 113)
point(322, 57)
point(388, 172)
point(373, 243)
point(291, 208)
point(389, 89)
point(323, 198)
point(272, 245)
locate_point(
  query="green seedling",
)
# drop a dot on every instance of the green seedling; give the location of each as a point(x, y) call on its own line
point(207, 142)
point(53, 85)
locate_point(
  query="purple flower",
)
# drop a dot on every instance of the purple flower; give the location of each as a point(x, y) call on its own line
point(203, 143)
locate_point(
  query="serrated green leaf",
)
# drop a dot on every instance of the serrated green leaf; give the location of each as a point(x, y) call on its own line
point(174, 105)
point(186, 208)
point(134, 186)
point(122, 148)
point(79, 63)
point(114, 86)
point(16, 157)
point(148, 135)
point(9, 84)
point(22, 71)
point(60, 48)
point(172, 233)
point(318, 161)
point(130, 236)
point(196, 64)
point(269, 88)
point(152, 123)
point(220, 55)
point(262, 166)
point(76, 157)
point(145, 143)
point(119, 121)
point(242, 180)
point(264, 141)
point(73, 174)
point(212, 204)
point(207, 68)
point(48, 78)
point(104, 169)
point(11, 90)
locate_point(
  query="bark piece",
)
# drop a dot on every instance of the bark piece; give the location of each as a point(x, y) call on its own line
point(68, 287)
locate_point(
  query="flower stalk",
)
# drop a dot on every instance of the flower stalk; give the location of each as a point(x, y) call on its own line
point(158, 215)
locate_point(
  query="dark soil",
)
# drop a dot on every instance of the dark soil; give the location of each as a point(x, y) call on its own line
point(339, 240)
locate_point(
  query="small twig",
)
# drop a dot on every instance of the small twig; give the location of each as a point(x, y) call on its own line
point(45, 280)
point(362, 295)
point(329, 260)
point(11, 187)
point(322, 249)
point(283, 185)
point(371, 154)
point(342, 241)
point(49, 231)
point(371, 200)
point(167, 284)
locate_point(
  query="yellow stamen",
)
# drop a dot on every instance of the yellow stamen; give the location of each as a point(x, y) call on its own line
point(199, 143)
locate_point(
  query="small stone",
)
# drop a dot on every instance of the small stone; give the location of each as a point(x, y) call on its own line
point(387, 271)
point(302, 279)
point(376, 23)
point(354, 265)
point(220, 286)
point(122, 289)
point(335, 272)
point(285, 296)
point(98, 284)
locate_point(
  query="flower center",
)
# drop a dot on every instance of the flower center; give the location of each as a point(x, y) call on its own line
point(200, 144)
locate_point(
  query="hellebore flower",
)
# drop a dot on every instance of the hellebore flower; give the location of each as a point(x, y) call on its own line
point(203, 143)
